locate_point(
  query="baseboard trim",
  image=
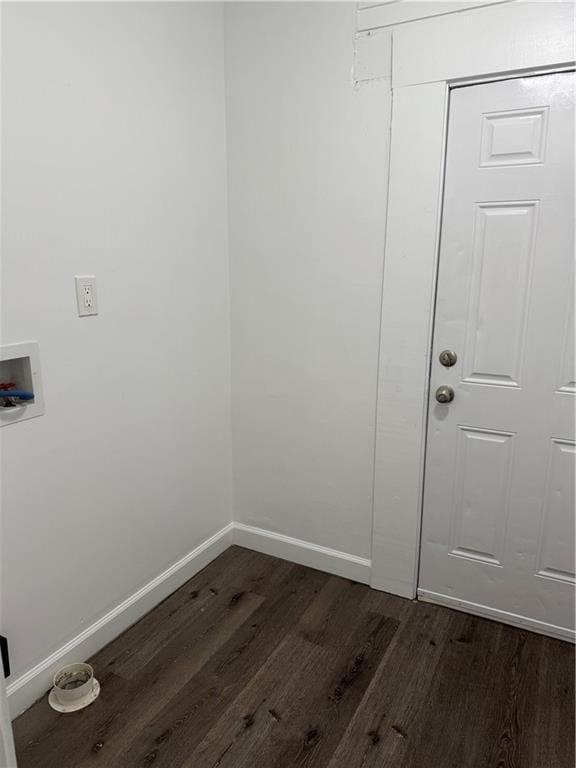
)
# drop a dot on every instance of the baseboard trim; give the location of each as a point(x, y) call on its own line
point(302, 552)
point(26, 689)
point(30, 686)
point(541, 627)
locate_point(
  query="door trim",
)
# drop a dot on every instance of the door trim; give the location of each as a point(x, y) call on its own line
point(420, 96)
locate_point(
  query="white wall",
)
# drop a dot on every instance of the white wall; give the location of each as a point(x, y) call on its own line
point(307, 186)
point(114, 163)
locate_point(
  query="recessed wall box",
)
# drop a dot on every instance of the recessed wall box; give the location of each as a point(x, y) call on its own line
point(20, 374)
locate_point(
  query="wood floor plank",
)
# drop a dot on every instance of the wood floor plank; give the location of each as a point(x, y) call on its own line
point(171, 736)
point(535, 717)
point(260, 663)
point(62, 737)
point(298, 702)
point(334, 613)
point(456, 698)
point(260, 712)
point(333, 696)
point(229, 572)
point(553, 735)
point(376, 736)
point(184, 659)
point(387, 605)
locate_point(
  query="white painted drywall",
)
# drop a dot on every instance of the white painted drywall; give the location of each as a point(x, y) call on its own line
point(114, 164)
point(307, 187)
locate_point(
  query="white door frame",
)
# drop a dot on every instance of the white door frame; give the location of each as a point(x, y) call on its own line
point(430, 57)
point(7, 753)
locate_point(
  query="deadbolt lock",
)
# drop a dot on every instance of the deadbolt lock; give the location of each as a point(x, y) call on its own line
point(448, 358)
point(444, 394)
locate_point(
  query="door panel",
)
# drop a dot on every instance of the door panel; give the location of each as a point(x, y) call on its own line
point(498, 519)
point(496, 324)
point(556, 549)
point(514, 137)
point(483, 469)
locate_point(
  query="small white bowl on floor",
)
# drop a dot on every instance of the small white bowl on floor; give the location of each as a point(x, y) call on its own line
point(75, 687)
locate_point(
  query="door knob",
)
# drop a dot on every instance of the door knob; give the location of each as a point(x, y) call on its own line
point(444, 394)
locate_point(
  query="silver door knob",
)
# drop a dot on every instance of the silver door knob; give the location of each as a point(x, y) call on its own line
point(444, 394)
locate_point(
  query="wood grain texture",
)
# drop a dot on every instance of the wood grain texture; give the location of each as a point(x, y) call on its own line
point(260, 663)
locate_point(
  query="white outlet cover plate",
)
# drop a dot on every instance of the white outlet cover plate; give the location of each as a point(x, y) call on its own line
point(86, 296)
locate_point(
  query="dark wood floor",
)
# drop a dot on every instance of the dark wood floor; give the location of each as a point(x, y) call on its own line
point(259, 663)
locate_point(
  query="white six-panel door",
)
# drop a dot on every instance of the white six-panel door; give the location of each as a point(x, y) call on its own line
point(498, 516)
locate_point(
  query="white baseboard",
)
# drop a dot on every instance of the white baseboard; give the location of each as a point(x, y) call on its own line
point(26, 689)
point(302, 552)
point(541, 627)
point(30, 686)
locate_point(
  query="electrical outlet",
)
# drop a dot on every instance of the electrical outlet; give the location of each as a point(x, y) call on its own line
point(86, 295)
